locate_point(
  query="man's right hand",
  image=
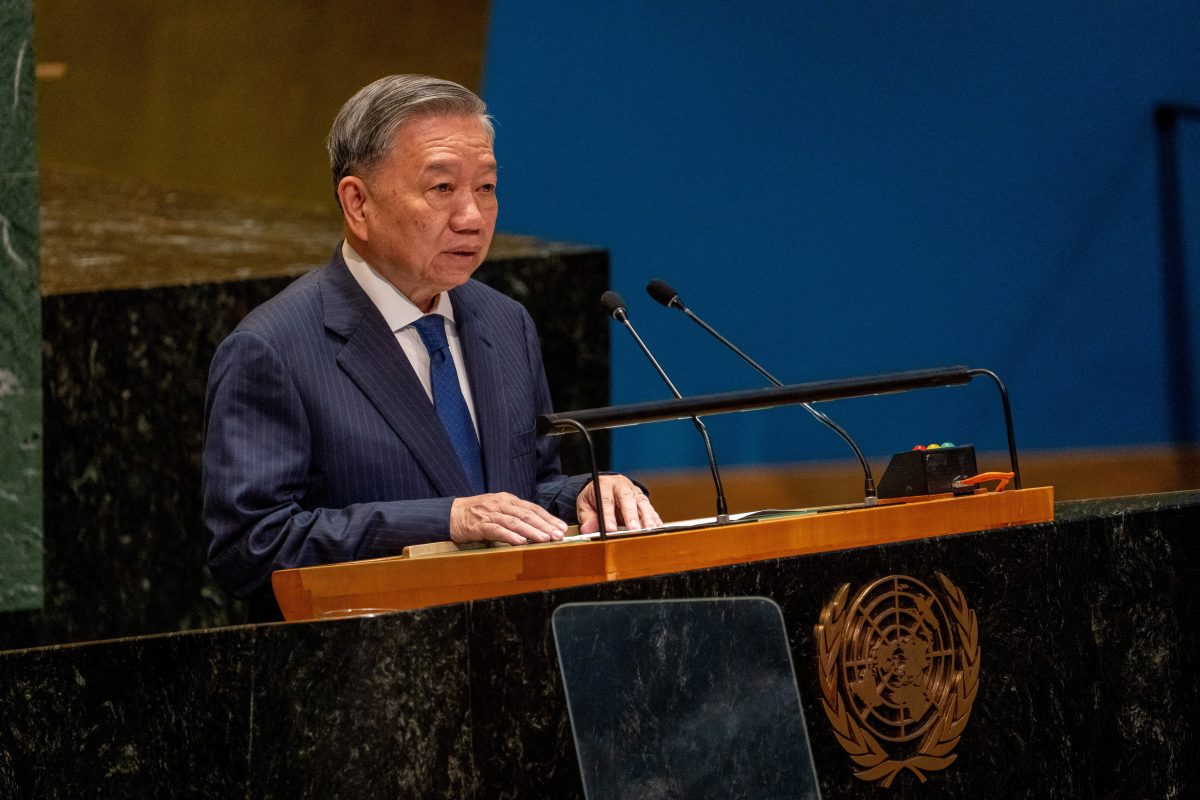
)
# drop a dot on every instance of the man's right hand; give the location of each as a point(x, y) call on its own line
point(502, 517)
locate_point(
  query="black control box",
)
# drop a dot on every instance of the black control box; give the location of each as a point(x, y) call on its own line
point(932, 471)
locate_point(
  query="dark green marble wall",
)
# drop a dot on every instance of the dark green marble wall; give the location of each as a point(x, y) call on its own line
point(20, 319)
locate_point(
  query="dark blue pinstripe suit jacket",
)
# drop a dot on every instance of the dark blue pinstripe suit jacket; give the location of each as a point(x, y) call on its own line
point(322, 446)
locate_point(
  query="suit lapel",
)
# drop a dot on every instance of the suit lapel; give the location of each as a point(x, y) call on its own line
point(487, 390)
point(375, 362)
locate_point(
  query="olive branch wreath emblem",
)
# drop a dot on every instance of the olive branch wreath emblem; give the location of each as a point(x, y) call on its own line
point(934, 752)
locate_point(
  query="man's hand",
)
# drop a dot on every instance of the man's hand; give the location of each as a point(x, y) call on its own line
point(624, 505)
point(502, 518)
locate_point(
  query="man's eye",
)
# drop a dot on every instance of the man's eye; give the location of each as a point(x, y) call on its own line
point(488, 188)
point(442, 187)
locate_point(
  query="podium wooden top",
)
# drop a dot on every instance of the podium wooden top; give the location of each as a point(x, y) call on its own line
point(403, 582)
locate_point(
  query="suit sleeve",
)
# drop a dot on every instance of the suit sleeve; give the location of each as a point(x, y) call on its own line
point(257, 449)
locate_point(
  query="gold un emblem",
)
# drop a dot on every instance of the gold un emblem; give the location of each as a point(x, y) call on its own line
point(899, 671)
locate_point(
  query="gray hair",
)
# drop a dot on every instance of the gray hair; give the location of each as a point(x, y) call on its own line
point(363, 131)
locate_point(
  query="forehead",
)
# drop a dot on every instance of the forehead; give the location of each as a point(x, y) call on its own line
point(443, 141)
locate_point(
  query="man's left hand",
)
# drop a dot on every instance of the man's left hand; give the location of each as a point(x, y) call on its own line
point(624, 506)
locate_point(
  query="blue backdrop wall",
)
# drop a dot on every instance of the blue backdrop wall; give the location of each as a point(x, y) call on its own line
point(853, 188)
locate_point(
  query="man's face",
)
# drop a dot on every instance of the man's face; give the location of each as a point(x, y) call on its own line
point(430, 208)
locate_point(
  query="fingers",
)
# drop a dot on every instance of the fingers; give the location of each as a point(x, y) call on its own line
point(502, 517)
point(623, 504)
point(626, 499)
point(506, 518)
point(650, 517)
point(586, 512)
point(585, 504)
point(585, 508)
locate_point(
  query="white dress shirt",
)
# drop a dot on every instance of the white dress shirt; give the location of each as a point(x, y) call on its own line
point(400, 313)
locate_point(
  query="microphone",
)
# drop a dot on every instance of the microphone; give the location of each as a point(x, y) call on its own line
point(614, 306)
point(664, 293)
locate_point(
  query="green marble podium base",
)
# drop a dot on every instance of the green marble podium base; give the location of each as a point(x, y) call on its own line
point(1089, 629)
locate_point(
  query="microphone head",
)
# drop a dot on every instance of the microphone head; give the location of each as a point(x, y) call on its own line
point(613, 305)
point(664, 293)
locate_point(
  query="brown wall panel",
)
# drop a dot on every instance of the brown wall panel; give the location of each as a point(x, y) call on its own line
point(231, 96)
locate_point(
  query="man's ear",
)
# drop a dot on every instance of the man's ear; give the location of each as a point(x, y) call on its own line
point(352, 193)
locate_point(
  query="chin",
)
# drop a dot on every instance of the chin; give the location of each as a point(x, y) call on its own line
point(457, 277)
point(447, 281)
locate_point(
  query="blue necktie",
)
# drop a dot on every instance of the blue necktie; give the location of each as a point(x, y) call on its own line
point(448, 399)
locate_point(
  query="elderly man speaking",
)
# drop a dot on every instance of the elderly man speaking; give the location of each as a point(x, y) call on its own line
point(387, 399)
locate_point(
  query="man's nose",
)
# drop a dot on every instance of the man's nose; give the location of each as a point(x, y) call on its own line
point(467, 215)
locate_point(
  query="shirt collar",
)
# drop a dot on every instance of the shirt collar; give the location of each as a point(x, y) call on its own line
point(398, 311)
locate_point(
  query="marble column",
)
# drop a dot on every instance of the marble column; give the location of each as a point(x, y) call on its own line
point(20, 319)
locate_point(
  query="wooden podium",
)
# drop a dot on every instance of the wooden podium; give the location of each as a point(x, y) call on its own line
point(408, 582)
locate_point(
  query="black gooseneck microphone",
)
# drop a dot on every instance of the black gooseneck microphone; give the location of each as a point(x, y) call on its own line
point(614, 306)
point(662, 291)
